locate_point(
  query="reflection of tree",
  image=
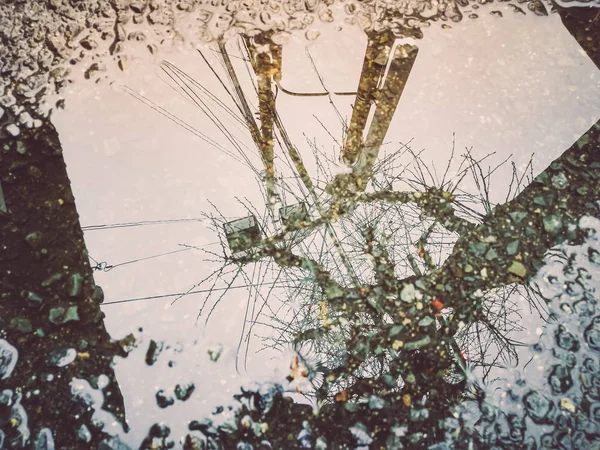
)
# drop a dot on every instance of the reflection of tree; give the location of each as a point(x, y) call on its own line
point(360, 241)
point(368, 322)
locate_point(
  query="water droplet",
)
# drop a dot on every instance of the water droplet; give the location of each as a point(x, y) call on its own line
point(537, 406)
point(13, 129)
point(361, 434)
point(8, 359)
point(566, 340)
point(560, 379)
point(594, 256)
point(560, 181)
point(592, 334)
point(163, 400)
point(311, 35)
point(45, 440)
point(84, 434)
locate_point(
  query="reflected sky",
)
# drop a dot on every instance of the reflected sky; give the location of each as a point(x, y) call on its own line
point(517, 86)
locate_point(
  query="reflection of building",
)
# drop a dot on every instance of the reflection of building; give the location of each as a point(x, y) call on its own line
point(50, 302)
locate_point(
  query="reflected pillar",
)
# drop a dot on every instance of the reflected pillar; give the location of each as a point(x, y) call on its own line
point(267, 66)
point(373, 68)
point(379, 88)
point(389, 96)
